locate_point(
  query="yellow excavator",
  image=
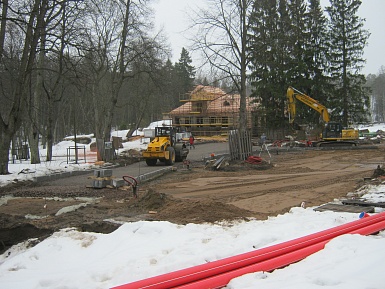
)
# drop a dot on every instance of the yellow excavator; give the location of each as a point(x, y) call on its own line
point(333, 133)
point(165, 147)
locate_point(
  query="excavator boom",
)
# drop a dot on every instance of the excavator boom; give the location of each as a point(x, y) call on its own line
point(333, 133)
point(293, 95)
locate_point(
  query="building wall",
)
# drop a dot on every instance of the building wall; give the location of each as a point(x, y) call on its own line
point(210, 111)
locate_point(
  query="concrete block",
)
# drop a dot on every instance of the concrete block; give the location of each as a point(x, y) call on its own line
point(105, 173)
point(97, 173)
point(117, 183)
point(78, 173)
point(99, 184)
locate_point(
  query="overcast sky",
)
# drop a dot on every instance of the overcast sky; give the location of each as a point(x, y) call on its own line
point(171, 15)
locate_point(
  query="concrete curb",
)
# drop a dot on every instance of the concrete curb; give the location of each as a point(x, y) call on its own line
point(141, 178)
point(60, 175)
point(154, 174)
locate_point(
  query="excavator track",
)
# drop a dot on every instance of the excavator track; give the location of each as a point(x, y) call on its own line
point(336, 144)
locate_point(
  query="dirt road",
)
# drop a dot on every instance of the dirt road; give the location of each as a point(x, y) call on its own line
point(197, 195)
point(313, 177)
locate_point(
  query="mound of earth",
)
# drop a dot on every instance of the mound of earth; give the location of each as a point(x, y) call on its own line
point(184, 211)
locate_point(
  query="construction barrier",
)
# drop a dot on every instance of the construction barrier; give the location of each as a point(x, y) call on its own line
point(217, 274)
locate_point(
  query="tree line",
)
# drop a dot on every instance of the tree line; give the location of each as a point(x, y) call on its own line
point(377, 84)
point(318, 52)
point(74, 66)
point(268, 45)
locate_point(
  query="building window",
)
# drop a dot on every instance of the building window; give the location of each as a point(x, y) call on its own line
point(225, 121)
point(197, 106)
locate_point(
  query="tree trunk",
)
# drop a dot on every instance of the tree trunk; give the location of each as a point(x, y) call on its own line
point(117, 79)
point(10, 125)
point(5, 143)
point(242, 92)
point(34, 131)
point(3, 26)
point(49, 132)
point(135, 126)
point(98, 123)
point(33, 141)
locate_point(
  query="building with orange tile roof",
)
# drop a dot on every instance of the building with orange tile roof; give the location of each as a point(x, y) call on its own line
point(209, 110)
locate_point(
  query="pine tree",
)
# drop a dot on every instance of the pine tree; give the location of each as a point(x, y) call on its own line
point(276, 54)
point(263, 54)
point(284, 59)
point(316, 82)
point(185, 72)
point(299, 40)
point(347, 41)
point(262, 37)
point(317, 50)
point(298, 74)
point(169, 91)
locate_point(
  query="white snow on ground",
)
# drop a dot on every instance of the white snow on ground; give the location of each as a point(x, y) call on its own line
point(70, 259)
point(22, 170)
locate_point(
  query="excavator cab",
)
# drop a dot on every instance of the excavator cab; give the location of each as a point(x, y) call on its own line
point(332, 130)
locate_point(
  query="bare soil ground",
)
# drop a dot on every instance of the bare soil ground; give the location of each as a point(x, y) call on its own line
point(196, 195)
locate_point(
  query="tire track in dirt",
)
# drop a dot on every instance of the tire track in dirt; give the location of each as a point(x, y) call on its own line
point(241, 187)
point(311, 177)
point(312, 193)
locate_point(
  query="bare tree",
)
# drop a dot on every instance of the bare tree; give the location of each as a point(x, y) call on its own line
point(4, 13)
point(64, 29)
point(16, 68)
point(117, 37)
point(222, 38)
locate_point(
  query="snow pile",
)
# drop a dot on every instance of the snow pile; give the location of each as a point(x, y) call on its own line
point(71, 259)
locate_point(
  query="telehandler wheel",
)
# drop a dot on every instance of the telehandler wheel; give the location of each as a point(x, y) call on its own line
point(170, 161)
point(151, 162)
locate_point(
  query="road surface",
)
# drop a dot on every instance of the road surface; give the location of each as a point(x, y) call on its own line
point(196, 155)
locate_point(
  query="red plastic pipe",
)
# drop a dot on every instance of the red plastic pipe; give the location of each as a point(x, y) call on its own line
point(189, 275)
point(220, 281)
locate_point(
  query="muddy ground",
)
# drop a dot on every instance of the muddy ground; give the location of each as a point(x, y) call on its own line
point(237, 190)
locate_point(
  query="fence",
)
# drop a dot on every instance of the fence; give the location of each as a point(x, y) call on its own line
point(20, 152)
point(240, 144)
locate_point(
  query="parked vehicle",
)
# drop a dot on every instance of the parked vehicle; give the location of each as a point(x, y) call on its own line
point(165, 147)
